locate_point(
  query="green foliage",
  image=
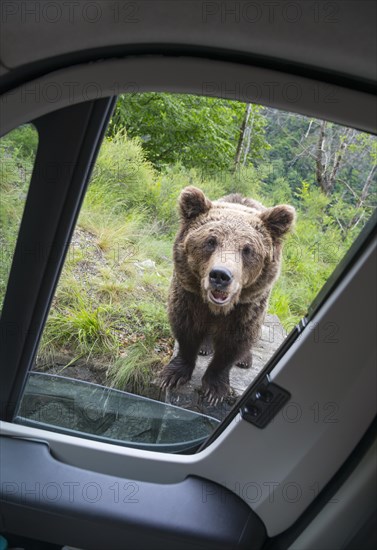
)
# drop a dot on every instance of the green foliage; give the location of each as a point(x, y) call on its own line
point(280, 192)
point(310, 255)
point(122, 180)
point(21, 143)
point(199, 132)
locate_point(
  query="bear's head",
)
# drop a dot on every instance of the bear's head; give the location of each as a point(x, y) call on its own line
point(228, 251)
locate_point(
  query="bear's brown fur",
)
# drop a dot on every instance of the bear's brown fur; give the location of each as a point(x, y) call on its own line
point(227, 255)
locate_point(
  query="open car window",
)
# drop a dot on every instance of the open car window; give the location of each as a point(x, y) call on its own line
point(99, 369)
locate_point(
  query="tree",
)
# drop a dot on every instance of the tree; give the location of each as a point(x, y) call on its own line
point(251, 142)
point(328, 160)
point(199, 132)
point(367, 186)
point(241, 139)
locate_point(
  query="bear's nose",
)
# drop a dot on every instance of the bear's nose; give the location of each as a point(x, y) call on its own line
point(220, 277)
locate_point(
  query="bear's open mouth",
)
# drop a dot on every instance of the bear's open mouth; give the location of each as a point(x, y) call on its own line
point(219, 297)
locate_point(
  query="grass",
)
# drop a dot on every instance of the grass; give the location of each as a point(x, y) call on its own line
point(134, 369)
point(117, 314)
point(84, 330)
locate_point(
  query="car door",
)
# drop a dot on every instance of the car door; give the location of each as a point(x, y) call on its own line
point(249, 483)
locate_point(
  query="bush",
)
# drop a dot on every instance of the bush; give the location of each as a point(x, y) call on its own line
point(122, 179)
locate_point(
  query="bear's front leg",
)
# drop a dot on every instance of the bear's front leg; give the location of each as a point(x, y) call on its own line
point(179, 371)
point(215, 381)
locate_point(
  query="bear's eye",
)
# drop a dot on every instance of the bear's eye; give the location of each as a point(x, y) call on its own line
point(247, 251)
point(211, 243)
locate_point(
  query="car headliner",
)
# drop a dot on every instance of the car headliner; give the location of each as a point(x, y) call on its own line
point(335, 38)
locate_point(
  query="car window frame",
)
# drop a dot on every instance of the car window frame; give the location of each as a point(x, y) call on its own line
point(42, 242)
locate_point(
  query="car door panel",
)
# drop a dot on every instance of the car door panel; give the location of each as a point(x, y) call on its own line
point(102, 511)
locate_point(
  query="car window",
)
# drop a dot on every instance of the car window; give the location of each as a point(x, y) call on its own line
point(18, 151)
point(298, 191)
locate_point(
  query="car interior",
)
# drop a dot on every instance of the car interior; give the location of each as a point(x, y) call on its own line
point(285, 480)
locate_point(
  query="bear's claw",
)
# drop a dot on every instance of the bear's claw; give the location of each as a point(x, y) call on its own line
point(215, 390)
point(205, 351)
point(212, 399)
point(174, 375)
point(245, 362)
point(206, 347)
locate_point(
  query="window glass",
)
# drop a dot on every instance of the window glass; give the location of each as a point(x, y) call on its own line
point(109, 329)
point(18, 150)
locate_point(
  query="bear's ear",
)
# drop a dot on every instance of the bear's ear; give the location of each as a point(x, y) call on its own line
point(192, 202)
point(278, 219)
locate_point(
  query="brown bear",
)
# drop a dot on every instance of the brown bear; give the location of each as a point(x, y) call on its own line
point(227, 255)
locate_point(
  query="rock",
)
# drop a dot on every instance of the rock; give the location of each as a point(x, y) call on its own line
point(189, 396)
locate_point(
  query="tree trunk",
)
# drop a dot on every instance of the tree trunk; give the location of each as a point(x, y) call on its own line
point(321, 167)
point(339, 157)
point(326, 175)
point(241, 140)
point(368, 183)
point(309, 128)
point(248, 134)
point(364, 194)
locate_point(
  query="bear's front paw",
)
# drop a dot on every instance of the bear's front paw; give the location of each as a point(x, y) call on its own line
point(175, 374)
point(245, 361)
point(215, 388)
